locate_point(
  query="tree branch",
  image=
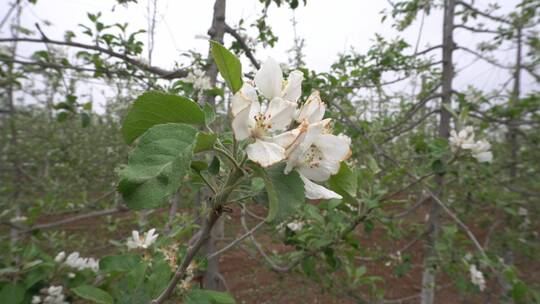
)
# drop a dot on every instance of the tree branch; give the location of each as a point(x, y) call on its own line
point(165, 74)
point(229, 30)
point(483, 14)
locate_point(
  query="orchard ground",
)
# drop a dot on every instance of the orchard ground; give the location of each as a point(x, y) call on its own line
point(251, 281)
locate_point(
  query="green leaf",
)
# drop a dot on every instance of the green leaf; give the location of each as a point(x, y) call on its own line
point(345, 182)
point(438, 166)
point(85, 119)
point(93, 294)
point(201, 296)
point(214, 166)
point(205, 141)
point(12, 293)
point(285, 192)
point(120, 263)
point(228, 65)
point(157, 165)
point(209, 113)
point(199, 165)
point(62, 116)
point(154, 108)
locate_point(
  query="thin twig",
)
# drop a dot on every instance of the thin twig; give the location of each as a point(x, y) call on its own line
point(165, 74)
point(236, 241)
point(229, 30)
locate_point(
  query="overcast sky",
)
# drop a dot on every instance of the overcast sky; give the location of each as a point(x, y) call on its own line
point(328, 26)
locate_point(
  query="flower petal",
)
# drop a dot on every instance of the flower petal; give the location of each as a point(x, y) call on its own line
point(293, 89)
point(314, 191)
point(312, 110)
point(243, 98)
point(322, 172)
point(135, 235)
point(269, 79)
point(244, 122)
point(484, 157)
point(286, 139)
point(265, 153)
point(334, 147)
point(280, 113)
point(298, 149)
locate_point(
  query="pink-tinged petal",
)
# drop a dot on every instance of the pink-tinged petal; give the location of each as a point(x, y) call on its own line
point(243, 98)
point(265, 153)
point(312, 110)
point(315, 191)
point(293, 89)
point(269, 79)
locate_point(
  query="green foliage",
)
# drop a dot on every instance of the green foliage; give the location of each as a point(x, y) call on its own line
point(157, 165)
point(12, 293)
point(205, 141)
point(228, 65)
point(200, 296)
point(285, 192)
point(345, 183)
point(93, 294)
point(119, 263)
point(153, 108)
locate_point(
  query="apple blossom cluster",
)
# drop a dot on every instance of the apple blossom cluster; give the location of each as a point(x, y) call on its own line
point(307, 146)
point(138, 241)
point(477, 277)
point(464, 140)
point(190, 274)
point(74, 260)
point(198, 78)
point(295, 225)
point(51, 295)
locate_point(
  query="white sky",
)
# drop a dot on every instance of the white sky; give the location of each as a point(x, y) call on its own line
point(329, 27)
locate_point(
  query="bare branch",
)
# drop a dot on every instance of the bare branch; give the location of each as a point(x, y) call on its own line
point(77, 218)
point(483, 57)
point(229, 30)
point(236, 241)
point(483, 14)
point(165, 74)
point(477, 30)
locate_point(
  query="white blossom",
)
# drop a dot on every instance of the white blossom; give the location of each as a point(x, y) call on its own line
point(18, 219)
point(464, 140)
point(198, 78)
point(60, 257)
point(52, 295)
point(74, 260)
point(295, 225)
point(481, 151)
point(138, 241)
point(461, 138)
point(477, 277)
point(252, 121)
point(316, 155)
point(312, 110)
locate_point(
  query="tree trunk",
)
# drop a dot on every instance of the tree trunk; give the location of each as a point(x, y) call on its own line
point(212, 279)
point(14, 157)
point(430, 255)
